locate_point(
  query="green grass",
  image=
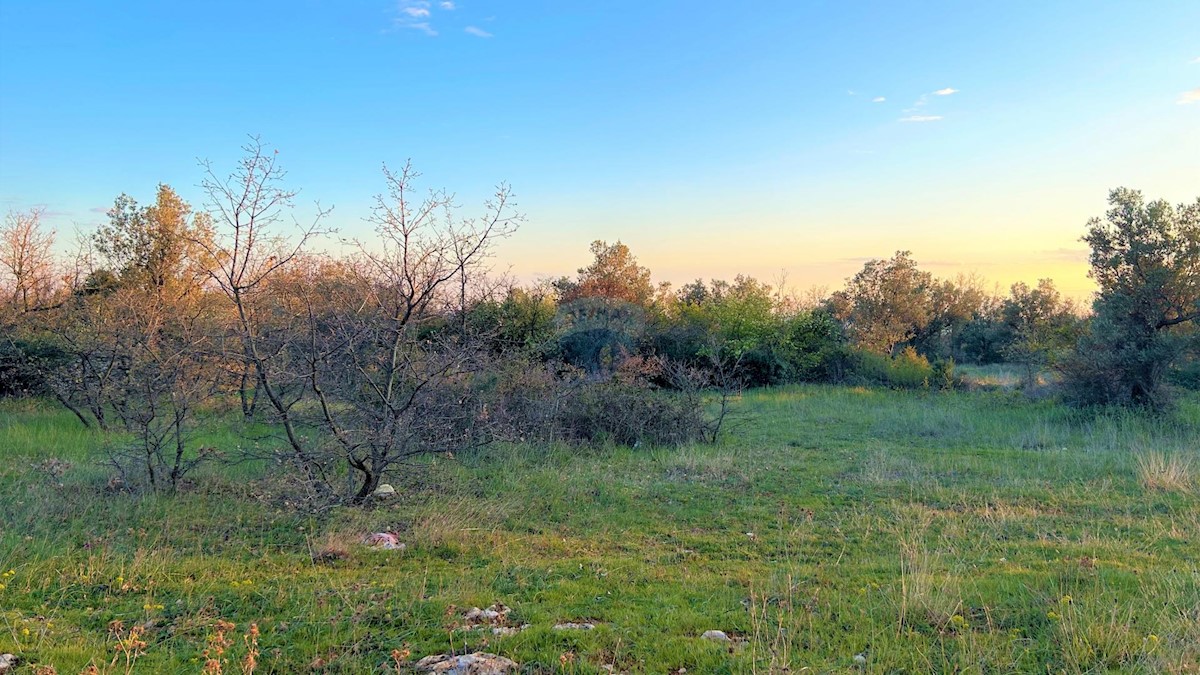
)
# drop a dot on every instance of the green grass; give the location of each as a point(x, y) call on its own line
point(962, 532)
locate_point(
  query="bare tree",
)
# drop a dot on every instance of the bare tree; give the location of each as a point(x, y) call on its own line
point(243, 254)
point(388, 383)
point(161, 349)
point(27, 258)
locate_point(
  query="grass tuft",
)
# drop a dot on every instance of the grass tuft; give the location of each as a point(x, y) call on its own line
point(1161, 471)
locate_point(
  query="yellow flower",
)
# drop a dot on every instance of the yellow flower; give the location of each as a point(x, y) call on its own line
point(2, 587)
point(1065, 600)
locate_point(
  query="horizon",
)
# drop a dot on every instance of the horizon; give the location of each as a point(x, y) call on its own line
point(775, 141)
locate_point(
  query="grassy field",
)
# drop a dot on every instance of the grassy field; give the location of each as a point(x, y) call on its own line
point(835, 529)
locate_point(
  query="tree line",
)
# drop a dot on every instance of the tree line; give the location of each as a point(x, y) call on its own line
point(167, 314)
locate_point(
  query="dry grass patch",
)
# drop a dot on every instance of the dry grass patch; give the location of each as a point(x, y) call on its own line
point(928, 593)
point(457, 521)
point(691, 464)
point(881, 467)
point(1160, 471)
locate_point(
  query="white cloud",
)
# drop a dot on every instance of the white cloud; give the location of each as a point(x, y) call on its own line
point(446, 5)
point(921, 118)
point(1187, 97)
point(945, 92)
point(415, 15)
point(1195, 60)
point(477, 32)
point(878, 99)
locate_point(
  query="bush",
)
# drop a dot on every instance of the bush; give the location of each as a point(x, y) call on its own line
point(630, 413)
point(1120, 363)
point(943, 374)
point(907, 370)
point(1186, 375)
point(815, 347)
point(562, 403)
point(23, 364)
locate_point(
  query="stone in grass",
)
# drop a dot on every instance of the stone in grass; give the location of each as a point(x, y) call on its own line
point(384, 491)
point(572, 625)
point(716, 636)
point(479, 663)
point(495, 614)
point(386, 541)
point(8, 663)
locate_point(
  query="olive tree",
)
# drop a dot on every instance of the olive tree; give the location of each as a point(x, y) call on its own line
point(886, 304)
point(1146, 259)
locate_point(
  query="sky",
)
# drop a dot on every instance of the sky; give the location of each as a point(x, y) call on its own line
point(789, 140)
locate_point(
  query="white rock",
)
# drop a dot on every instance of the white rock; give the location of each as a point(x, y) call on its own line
point(8, 663)
point(716, 635)
point(384, 490)
point(571, 625)
point(860, 659)
point(497, 613)
point(478, 663)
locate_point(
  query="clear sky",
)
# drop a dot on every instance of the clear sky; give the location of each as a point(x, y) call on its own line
point(712, 138)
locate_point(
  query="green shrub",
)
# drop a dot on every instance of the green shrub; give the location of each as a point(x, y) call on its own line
point(23, 364)
point(906, 370)
point(944, 376)
point(910, 370)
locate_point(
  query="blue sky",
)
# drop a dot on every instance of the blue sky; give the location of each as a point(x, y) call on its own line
point(713, 138)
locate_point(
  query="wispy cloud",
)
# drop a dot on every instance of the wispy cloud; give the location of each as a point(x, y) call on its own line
point(878, 99)
point(99, 209)
point(919, 103)
point(1195, 60)
point(1189, 97)
point(414, 15)
point(913, 111)
point(424, 15)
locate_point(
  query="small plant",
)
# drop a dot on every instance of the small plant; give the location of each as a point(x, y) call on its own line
point(400, 659)
point(216, 654)
point(128, 647)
